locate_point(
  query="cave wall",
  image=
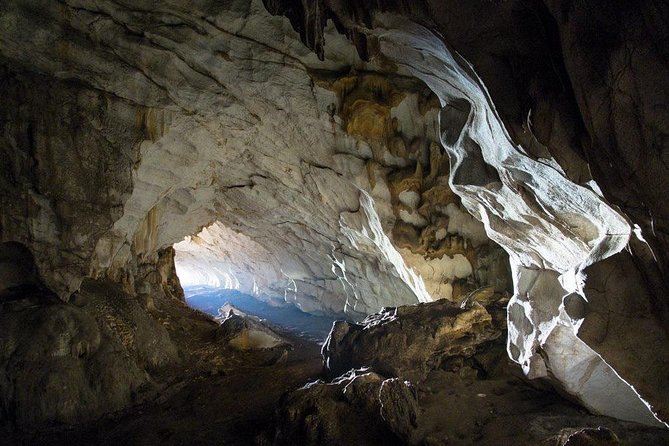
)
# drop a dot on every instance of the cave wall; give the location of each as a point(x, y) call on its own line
point(544, 67)
point(58, 195)
point(409, 222)
point(595, 101)
point(210, 135)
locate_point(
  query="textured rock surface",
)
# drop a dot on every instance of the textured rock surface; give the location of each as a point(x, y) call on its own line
point(127, 128)
point(322, 413)
point(475, 397)
point(595, 106)
point(407, 222)
point(72, 362)
point(245, 333)
point(213, 135)
point(408, 342)
point(551, 219)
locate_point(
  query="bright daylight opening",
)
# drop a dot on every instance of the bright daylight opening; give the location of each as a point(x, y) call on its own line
point(223, 272)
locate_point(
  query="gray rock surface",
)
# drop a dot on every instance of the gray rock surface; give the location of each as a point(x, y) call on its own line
point(248, 333)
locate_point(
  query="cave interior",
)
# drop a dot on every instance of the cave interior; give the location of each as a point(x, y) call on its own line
point(334, 222)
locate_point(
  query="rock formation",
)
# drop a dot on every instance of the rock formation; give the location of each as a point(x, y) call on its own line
point(342, 157)
point(321, 413)
point(245, 333)
point(456, 388)
point(408, 341)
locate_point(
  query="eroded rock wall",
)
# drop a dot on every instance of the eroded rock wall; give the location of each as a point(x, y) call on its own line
point(551, 218)
point(67, 157)
point(212, 135)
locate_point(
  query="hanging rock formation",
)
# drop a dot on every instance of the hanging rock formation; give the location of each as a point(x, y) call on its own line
point(552, 220)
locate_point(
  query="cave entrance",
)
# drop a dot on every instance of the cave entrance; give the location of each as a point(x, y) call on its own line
point(222, 270)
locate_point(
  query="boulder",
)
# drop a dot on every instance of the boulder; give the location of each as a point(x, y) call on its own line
point(331, 413)
point(408, 342)
point(248, 333)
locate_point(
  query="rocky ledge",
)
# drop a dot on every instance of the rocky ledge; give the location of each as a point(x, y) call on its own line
point(435, 374)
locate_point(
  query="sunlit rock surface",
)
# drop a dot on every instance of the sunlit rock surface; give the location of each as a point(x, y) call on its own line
point(218, 138)
point(246, 333)
point(552, 228)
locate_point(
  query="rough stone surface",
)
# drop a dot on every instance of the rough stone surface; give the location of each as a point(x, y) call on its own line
point(125, 129)
point(17, 269)
point(218, 139)
point(468, 399)
point(408, 342)
point(245, 333)
point(322, 413)
point(73, 362)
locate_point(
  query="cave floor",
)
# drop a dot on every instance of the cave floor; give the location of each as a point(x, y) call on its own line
point(222, 408)
point(221, 396)
point(235, 407)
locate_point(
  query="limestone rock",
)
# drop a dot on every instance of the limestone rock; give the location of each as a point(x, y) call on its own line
point(331, 413)
point(408, 342)
point(74, 362)
point(538, 200)
point(247, 333)
point(126, 129)
point(228, 310)
point(220, 146)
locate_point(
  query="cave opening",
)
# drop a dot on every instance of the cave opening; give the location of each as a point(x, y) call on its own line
point(224, 272)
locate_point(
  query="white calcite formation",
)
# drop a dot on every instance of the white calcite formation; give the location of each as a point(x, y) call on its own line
point(323, 183)
point(552, 228)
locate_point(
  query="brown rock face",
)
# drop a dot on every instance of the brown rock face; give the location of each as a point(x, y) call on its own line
point(246, 333)
point(465, 397)
point(408, 342)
